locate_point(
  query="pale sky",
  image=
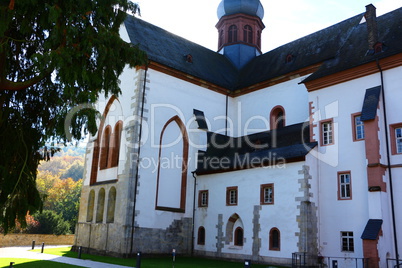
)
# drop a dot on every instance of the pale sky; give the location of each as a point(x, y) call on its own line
point(284, 20)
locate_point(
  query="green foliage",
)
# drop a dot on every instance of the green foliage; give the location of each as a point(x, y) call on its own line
point(51, 223)
point(54, 55)
point(62, 194)
point(75, 171)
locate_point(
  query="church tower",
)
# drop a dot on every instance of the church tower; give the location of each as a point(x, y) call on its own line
point(239, 27)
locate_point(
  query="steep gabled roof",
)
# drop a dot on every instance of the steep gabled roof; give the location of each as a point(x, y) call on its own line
point(171, 50)
point(309, 50)
point(339, 47)
point(354, 52)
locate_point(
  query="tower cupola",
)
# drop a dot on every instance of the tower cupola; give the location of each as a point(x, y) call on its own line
point(239, 28)
point(249, 7)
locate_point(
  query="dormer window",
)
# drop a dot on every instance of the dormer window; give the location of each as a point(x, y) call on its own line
point(289, 58)
point(232, 34)
point(248, 34)
point(277, 117)
point(189, 58)
point(378, 47)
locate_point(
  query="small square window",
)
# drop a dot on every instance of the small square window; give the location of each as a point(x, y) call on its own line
point(358, 127)
point(347, 242)
point(267, 194)
point(327, 132)
point(396, 138)
point(344, 186)
point(231, 196)
point(203, 198)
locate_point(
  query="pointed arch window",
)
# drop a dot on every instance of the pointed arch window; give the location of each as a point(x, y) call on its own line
point(100, 205)
point(172, 177)
point(116, 144)
point(111, 205)
point(90, 208)
point(232, 34)
point(274, 239)
point(248, 34)
point(104, 158)
point(277, 117)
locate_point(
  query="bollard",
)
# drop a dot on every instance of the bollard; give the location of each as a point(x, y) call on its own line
point(11, 264)
point(174, 257)
point(43, 247)
point(33, 244)
point(138, 265)
point(247, 263)
point(79, 252)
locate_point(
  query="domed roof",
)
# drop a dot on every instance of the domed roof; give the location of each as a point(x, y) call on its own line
point(249, 7)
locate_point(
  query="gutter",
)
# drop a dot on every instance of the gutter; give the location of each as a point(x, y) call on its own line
point(192, 228)
point(389, 167)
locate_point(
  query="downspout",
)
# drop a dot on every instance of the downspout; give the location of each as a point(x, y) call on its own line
point(226, 116)
point(138, 161)
point(193, 231)
point(389, 167)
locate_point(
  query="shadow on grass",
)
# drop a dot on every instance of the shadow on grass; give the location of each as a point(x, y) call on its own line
point(29, 263)
point(154, 262)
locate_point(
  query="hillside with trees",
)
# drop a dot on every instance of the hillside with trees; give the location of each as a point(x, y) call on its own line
point(59, 182)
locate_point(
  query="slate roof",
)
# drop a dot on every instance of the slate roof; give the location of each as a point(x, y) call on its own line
point(224, 153)
point(339, 47)
point(354, 51)
point(170, 50)
point(372, 229)
point(370, 103)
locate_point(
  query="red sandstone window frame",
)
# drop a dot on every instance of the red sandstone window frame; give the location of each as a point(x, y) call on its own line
point(344, 186)
point(355, 127)
point(263, 200)
point(203, 197)
point(232, 33)
point(248, 34)
point(230, 199)
point(277, 117)
point(329, 121)
point(394, 139)
point(274, 242)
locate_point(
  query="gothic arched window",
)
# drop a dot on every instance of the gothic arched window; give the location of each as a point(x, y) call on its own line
point(104, 156)
point(100, 205)
point(116, 144)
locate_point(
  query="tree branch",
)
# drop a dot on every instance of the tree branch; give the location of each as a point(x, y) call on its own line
point(6, 84)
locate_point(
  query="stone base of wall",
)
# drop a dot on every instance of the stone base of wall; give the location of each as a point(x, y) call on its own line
point(162, 241)
point(265, 260)
point(115, 240)
point(13, 240)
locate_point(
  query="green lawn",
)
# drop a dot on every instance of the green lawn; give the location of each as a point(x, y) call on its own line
point(159, 262)
point(29, 263)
